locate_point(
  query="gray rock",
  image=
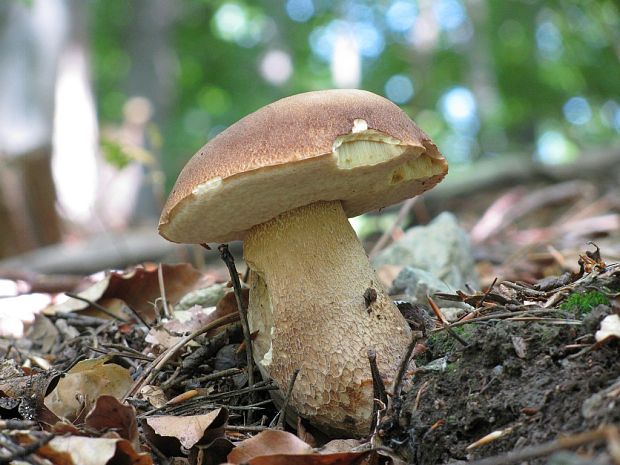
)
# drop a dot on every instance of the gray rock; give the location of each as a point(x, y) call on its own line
point(441, 248)
point(205, 297)
point(416, 284)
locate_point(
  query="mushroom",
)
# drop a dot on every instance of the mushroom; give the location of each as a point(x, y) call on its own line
point(284, 180)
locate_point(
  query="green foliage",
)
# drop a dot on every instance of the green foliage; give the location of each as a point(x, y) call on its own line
point(523, 62)
point(582, 303)
point(114, 154)
point(442, 343)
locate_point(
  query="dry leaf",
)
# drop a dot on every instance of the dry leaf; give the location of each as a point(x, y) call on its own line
point(78, 390)
point(213, 453)
point(43, 333)
point(344, 458)
point(154, 395)
point(190, 320)
point(267, 443)
point(138, 287)
point(339, 445)
point(161, 337)
point(78, 450)
point(109, 414)
point(188, 431)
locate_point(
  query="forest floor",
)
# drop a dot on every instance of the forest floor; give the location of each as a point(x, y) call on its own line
point(526, 376)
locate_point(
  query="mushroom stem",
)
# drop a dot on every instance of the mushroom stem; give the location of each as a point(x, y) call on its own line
point(317, 305)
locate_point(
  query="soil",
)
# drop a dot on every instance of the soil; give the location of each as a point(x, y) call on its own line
point(520, 376)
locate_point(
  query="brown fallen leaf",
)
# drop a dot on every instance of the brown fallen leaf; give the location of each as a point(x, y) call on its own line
point(76, 393)
point(168, 432)
point(138, 287)
point(268, 443)
point(78, 450)
point(161, 337)
point(188, 321)
point(110, 414)
point(154, 395)
point(213, 453)
point(339, 445)
point(368, 457)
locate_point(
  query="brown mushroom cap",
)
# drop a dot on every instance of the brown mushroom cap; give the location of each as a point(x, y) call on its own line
point(293, 152)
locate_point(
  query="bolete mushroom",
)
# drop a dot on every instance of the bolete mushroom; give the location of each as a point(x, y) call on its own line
point(285, 179)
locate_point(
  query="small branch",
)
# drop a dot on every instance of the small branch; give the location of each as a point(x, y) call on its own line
point(213, 376)
point(155, 367)
point(486, 294)
point(497, 316)
point(229, 260)
point(162, 291)
point(246, 429)
point(402, 369)
point(378, 387)
point(379, 395)
point(99, 307)
point(287, 398)
point(445, 323)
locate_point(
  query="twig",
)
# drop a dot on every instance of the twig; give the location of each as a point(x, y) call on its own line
point(17, 451)
point(162, 291)
point(404, 210)
point(402, 369)
point(99, 307)
point(113, 353)
point(287, 398)
point(379, 395)
point(525, 290)
point(445, 323)
point(174, 379)
point(262, 386)
point(229, 260)
point(212, 376)
point(246, 429)
point(497, 316)
point(532, 452)
point(17, 424)
point(151, 371)
point(419, 394)
point(486, 294)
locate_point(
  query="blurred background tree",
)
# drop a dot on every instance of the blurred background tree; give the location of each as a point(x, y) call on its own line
point(481, 77)
point(157, 79)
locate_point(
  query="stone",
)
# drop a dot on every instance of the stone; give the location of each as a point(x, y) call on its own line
point(205, 297)
point(440, 248)
point(416, 284)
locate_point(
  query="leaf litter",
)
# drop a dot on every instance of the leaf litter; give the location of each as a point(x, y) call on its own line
point(531, 370)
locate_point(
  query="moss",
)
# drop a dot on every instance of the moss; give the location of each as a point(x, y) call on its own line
point(583, 302)
point(441, 342)
point(451, 367)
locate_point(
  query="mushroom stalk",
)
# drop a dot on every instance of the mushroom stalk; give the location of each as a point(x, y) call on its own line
point(318, 306)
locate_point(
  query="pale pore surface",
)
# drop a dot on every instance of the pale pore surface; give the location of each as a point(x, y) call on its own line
point(310, 274)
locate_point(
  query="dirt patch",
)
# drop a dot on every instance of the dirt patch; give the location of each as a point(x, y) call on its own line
point(525, 377)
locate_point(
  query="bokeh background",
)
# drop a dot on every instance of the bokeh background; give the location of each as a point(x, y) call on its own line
point(103, 101)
